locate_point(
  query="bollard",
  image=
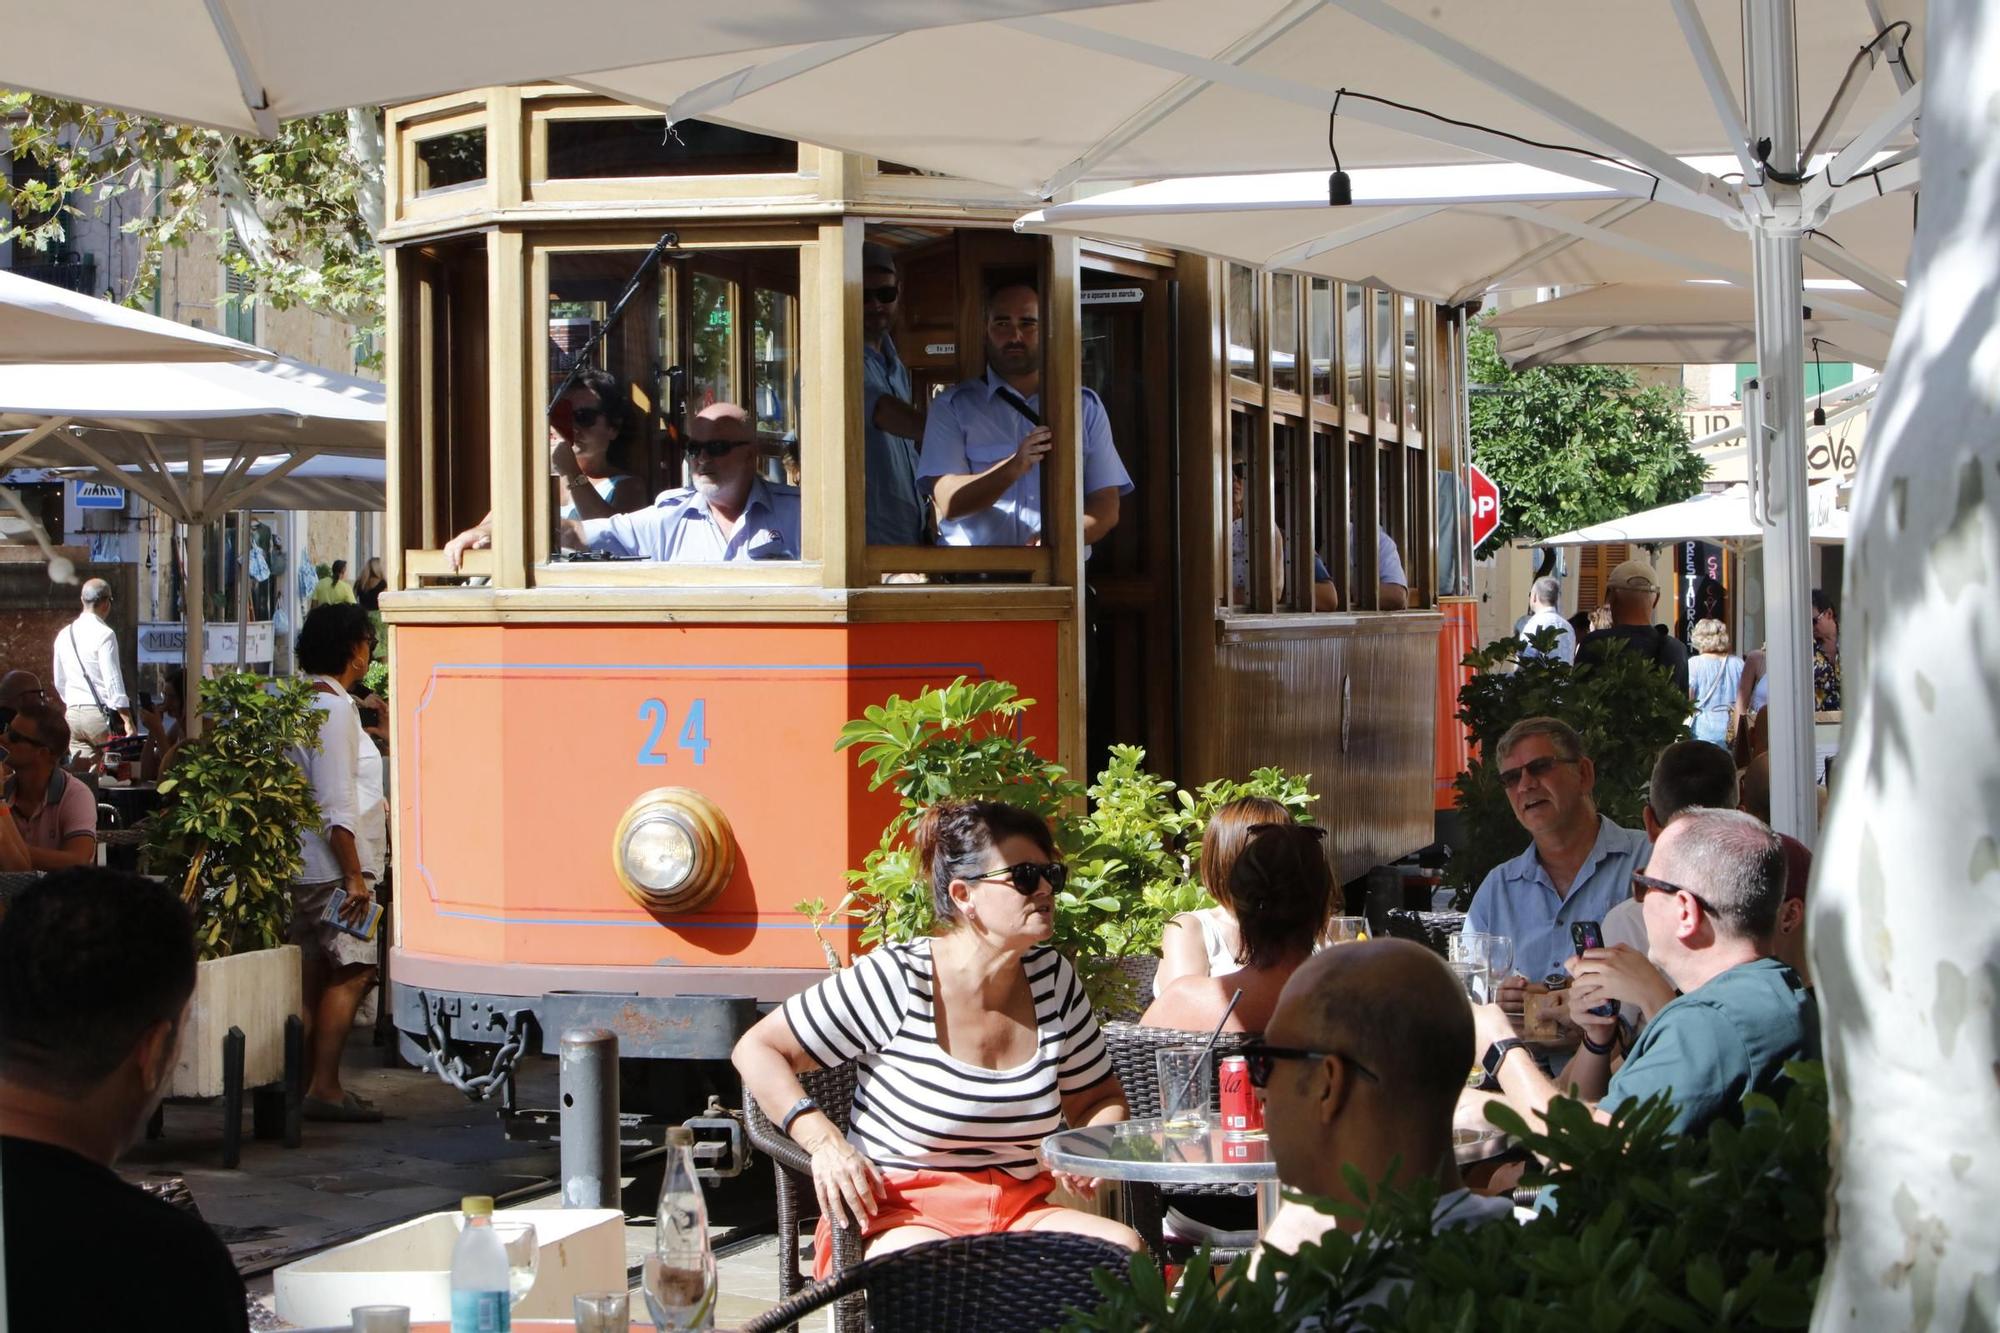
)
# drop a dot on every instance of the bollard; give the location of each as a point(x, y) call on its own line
point(590, 1119)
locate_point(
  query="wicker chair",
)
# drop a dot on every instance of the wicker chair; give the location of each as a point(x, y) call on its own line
point(1133, 1049)
point(1430, 929)
point(1009, 1282)
point(833, 1089)
point(1139, 970)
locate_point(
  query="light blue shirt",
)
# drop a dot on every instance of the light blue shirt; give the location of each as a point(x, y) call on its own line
point(895, 502)
point(1517, 899)
point(970, 428)
point(1565, 650)
point(680, 527)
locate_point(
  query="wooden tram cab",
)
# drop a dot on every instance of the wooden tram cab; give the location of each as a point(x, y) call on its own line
point(541, 703)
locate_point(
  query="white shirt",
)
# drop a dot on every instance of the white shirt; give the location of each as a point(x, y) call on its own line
point(335, 772)
point(87, 655)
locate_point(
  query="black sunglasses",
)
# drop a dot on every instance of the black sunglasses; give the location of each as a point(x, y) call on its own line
point(881, 295)
point(1510, 778)
point(713, 448)
point(1645, 884)
point(1026, 876)
point(586, 417)
point(1263, 1059)
point(16, 738)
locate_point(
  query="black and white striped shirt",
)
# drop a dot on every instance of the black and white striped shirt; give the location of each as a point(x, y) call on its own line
point(918, 1108)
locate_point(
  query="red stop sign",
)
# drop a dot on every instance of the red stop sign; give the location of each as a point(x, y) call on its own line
point(1485, 506)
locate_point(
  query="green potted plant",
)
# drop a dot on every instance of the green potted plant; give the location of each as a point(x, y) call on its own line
point(227, 832)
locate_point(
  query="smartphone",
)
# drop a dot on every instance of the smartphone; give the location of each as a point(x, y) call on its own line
point(1590, 935)
point(364, 931)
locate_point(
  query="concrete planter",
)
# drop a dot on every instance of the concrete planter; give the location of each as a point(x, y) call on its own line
point(254, 992)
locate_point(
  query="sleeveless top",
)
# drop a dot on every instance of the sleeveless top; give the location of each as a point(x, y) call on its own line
point(1221, 958)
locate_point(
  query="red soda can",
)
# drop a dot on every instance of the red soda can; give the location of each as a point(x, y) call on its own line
point(1242, 1112)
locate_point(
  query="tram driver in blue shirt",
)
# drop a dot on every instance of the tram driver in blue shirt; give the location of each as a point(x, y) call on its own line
point(730, 513)
point(984, 441)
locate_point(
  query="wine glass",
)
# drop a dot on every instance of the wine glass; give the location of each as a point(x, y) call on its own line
point(1346, 930)
point(1491, 955)
point(524, 1256)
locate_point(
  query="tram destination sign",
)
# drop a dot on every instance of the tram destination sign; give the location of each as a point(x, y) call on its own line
point(1112, 295)
point(165, 641)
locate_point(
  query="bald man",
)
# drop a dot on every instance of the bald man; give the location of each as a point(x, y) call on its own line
point(1362, 1065)
point(730, 514)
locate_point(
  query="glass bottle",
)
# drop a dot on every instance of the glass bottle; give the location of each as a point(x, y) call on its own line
point(680, 1272)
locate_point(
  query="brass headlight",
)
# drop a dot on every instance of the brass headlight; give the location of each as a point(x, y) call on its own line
point(673, 850)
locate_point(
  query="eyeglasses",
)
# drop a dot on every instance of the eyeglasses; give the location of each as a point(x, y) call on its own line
point(1263, 1059)
point(1026, 876)
point(15, 737)
point(713, 448)
point(1510, 778)
point(586, 417)
point(1645, 884)
point(881, 295)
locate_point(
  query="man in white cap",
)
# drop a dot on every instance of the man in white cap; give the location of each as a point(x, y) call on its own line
point(1634, 596)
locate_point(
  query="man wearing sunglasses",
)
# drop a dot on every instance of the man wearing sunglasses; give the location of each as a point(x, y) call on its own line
point(1579, 865)
point(1362, 1065)
point(892, 422)
point(729, 515)
point(1711, 900)
point(51, 817)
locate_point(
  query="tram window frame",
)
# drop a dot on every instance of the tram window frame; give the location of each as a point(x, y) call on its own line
point(542, 107)
point(444, 407)
point(1319, 462)
point(746, 254)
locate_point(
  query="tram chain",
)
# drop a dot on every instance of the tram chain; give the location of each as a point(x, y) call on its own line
point(453, 1068)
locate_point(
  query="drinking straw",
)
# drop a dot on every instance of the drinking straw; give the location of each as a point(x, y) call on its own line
point(1208, 1046)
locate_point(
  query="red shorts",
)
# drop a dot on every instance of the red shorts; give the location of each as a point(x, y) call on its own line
point(957, 1203)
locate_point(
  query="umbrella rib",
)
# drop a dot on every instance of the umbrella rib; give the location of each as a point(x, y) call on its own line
point(739, 84)
point(1702, 47)
point(256, 100)
point(240, 497)
point(1602, 235)
point(1899, 63)
point(1849, 160)
point(103, 463)
point(32, 438)
point(1825, 251)
point(1549, 249)
point(1388, 220)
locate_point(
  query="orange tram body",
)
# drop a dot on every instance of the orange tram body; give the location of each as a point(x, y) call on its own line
point(615, 781)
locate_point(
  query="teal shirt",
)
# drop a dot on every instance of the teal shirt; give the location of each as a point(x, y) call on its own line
point(1711, 1046)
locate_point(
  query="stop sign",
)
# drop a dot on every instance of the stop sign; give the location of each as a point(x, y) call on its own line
point(1485, 506)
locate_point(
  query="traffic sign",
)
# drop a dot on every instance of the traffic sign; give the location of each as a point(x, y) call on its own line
point(1485, 506)
point(97, 495)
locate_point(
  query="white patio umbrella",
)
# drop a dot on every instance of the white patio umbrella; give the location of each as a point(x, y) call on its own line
point(43, 323)
point(245, 65)
point(1725, 516)
point(1653, 324)
point(157, 427)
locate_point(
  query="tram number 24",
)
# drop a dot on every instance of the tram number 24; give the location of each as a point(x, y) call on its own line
point(693, 732)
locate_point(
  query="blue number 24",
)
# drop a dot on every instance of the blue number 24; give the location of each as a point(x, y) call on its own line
point(693, 737)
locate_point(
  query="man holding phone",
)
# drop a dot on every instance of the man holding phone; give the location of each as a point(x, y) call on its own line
point(1711, 899)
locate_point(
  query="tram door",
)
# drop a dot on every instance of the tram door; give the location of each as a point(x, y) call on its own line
point(1133, 662)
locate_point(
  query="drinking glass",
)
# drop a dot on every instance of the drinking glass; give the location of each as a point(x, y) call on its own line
point(1346, 929)
point(524, 1256)
point(380, 1318)
point(1493, 953)
point(602, 1311)
point(1474, 977)
point(1184, 1075)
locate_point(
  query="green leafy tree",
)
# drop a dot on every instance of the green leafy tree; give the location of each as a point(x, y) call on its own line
point(1574, 445)
point(1626, 708)
point(295, 215)
point(233, 804)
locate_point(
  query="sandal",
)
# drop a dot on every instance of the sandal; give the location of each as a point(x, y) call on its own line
point(348, 1110)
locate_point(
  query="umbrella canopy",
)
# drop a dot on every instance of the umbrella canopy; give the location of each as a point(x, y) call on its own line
point(244, 66)
point(1723, 517)
point(41, 323)
point(1677, 324)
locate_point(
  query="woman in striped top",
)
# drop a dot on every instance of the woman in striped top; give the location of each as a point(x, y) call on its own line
point(973, 1046)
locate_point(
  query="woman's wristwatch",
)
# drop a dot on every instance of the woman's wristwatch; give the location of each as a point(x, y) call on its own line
point(799, 1108)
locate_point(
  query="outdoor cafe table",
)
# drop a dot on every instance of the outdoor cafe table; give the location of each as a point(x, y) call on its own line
point(1143, 1150)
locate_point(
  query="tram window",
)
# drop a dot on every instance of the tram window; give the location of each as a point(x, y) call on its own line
point(1286, 477)
point(1320, 333)
point(1242, 430)
point(1386, 407)
point(448, 160)
point(1330, 512)
point(1354, 309)
point(1242, 322)
point(717, 311)
point(1284, 334)
point(774, 340)
point(645, 146)
point(1413, 376)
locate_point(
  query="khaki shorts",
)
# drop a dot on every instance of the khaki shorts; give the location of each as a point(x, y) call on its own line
point(89, 728)
point(319, 938)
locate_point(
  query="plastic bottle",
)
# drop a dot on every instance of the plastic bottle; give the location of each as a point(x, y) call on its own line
point(680, 1273)
point(479, 1299)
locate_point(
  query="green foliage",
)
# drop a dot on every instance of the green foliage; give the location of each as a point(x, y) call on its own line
point(1132, 856)
point(1722, 1231)
point(292, 214)
point(376, 679)
point(1574, 445)
point(1626, 708)
point(228, 827)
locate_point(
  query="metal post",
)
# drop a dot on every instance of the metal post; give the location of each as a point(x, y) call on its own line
point(1776, 227)
point(194, 607)
point(589, 1074)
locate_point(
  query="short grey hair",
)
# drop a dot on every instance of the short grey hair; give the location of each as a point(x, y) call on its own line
point(1562, 737)
point(1545, 591)
point(95, 591)
point(1736, 864)
point(1710, 636)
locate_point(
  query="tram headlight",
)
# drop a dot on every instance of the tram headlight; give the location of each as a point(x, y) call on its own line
point(673, 850)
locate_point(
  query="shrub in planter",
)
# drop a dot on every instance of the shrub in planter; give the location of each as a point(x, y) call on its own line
point(1626, 709)
point(228, 826)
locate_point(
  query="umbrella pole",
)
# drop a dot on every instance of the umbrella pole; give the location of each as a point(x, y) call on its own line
point(242, 588)
point(1772, 97)
point(195, 647)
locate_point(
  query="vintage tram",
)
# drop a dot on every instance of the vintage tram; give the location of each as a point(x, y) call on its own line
point(616, 780)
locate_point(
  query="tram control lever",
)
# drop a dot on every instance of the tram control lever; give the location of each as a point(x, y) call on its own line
point(668, 241)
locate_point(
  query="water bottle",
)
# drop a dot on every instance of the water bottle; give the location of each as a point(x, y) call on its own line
point(680, 1272)
point(479, 1302)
